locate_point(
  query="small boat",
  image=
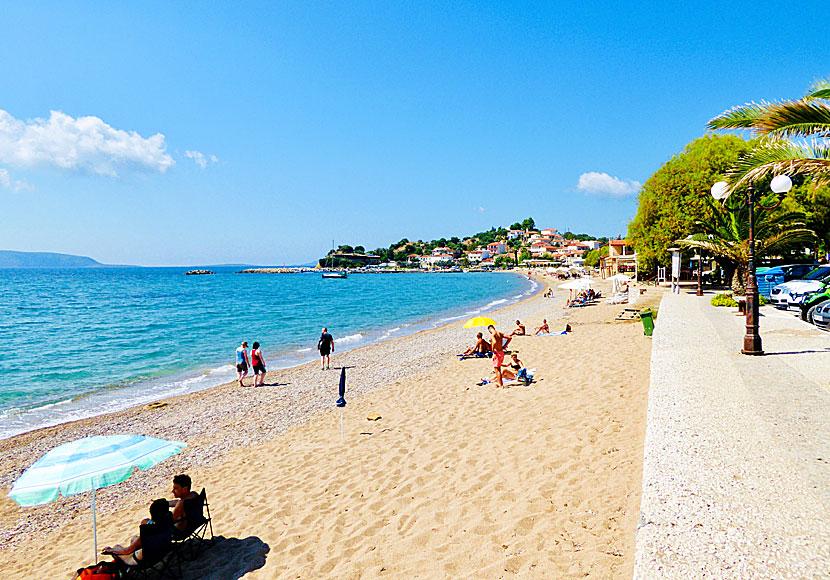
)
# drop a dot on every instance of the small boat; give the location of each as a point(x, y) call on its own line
point(333, 275)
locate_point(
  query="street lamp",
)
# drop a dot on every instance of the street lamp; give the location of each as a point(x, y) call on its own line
point(780, 185)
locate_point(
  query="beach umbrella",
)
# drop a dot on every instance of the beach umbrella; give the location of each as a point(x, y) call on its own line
point(479, 321)
point(578, 284)
point(341, 402)
point(89, 464)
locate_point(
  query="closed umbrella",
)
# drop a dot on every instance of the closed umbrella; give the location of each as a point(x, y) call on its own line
point(89, 464)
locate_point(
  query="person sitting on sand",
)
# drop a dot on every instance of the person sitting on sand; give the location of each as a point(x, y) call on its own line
point(544, 329)
point(481, 347)
point(182, 493)
point(159, 521)
point(520, 330)
point(498, 342)
point(512, 367)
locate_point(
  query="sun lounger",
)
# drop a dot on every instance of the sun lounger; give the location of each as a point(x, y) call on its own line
point(475, 355)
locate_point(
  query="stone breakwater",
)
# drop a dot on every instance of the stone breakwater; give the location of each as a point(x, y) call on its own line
point(219, 420)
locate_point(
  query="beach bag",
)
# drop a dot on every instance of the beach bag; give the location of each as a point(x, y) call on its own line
point(99, 571)
point(523, 376)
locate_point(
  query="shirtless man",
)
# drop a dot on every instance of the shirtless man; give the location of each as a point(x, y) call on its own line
point(481, 346)
point(544, 329)
point(497, 342)
point(520, 330)
point(181, 491)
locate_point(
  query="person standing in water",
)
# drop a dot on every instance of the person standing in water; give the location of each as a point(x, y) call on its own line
point(242, 362)
point(258, 364)
point(326, 346)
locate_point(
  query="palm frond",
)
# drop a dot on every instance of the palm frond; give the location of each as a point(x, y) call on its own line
point(820, 89)
point(784, 241)
point(781, 157)
point(794, 119)
point(743, 117)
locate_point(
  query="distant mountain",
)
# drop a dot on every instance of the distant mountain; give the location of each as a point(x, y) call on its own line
point(12, 259)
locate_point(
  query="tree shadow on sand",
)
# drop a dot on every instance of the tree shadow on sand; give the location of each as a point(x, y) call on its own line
point(227, 559)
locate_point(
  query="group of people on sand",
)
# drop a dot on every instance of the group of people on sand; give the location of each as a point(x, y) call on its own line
point(520, 329)
point(170, 519)
point(257, 363)
point(583, 297)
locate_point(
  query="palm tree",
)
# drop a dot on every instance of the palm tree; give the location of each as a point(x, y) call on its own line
point(726, 237)
point(795, 137)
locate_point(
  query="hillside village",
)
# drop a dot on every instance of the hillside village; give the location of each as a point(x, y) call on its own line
point(496, 248)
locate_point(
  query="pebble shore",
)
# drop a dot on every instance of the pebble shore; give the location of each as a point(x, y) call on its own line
point(217, 421)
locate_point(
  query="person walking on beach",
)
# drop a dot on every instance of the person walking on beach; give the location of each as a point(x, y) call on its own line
point(258, 364)
point(242, 362)
point(498, 342)
point(326, 346)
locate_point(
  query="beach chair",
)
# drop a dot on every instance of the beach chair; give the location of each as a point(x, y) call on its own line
point(194, 537)
point(158, 556)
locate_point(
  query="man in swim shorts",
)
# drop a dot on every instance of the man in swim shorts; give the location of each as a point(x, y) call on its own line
point(326, 346)
point(258, 364)
point(242, 362)
point(498, 342)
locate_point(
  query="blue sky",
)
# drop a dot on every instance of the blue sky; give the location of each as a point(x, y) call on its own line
point(257, 132)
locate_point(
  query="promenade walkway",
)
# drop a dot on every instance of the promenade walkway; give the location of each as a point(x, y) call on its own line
point(736, 478)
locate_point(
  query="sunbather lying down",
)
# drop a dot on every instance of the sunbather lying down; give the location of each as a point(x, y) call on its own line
point(481, 348)
point(549, 333)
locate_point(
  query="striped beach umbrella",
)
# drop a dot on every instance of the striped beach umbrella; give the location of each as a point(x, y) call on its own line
point(89, 464)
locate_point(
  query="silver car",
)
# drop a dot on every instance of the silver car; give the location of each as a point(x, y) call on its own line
point(791, 294)
point(821, 315)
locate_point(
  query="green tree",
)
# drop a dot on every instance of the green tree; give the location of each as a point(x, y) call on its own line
point(725, 236)
point(516, 226)
point(674, 198)
point(524, 255)
point(504, 260)
point(592, 256)
point(359, 250)
point(528, 224)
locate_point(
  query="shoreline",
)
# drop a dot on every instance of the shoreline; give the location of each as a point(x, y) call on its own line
point(183, 382)
point(455, 480)
point(158, 418)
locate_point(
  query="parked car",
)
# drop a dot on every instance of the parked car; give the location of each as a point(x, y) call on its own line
point(821, 315)
point(791, 294)
point(768, 279)
point(812, 302)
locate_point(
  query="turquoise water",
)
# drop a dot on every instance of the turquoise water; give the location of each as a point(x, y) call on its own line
point(74, 343)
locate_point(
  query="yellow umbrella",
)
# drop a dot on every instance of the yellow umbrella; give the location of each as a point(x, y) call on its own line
point(479, 321)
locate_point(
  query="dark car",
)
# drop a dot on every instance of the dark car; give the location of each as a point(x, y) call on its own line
point(768, 279)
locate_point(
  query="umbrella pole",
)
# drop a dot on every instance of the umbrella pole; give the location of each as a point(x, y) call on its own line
point(341, 423)
point(94, 528)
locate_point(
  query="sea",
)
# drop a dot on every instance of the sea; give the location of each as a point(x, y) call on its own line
point(76, 343)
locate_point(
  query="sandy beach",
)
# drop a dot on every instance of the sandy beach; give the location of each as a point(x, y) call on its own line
point(454, 481)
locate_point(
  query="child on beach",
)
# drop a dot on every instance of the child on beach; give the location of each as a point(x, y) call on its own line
point(259, 365)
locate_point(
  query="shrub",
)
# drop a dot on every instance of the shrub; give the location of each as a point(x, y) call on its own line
point(724, 300)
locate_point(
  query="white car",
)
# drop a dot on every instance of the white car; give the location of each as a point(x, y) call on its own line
point(791, 294)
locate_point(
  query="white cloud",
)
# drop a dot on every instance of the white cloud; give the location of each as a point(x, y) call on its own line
point(200, 158)
point(603, 184)
point(6, 182)
point(85, 143)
